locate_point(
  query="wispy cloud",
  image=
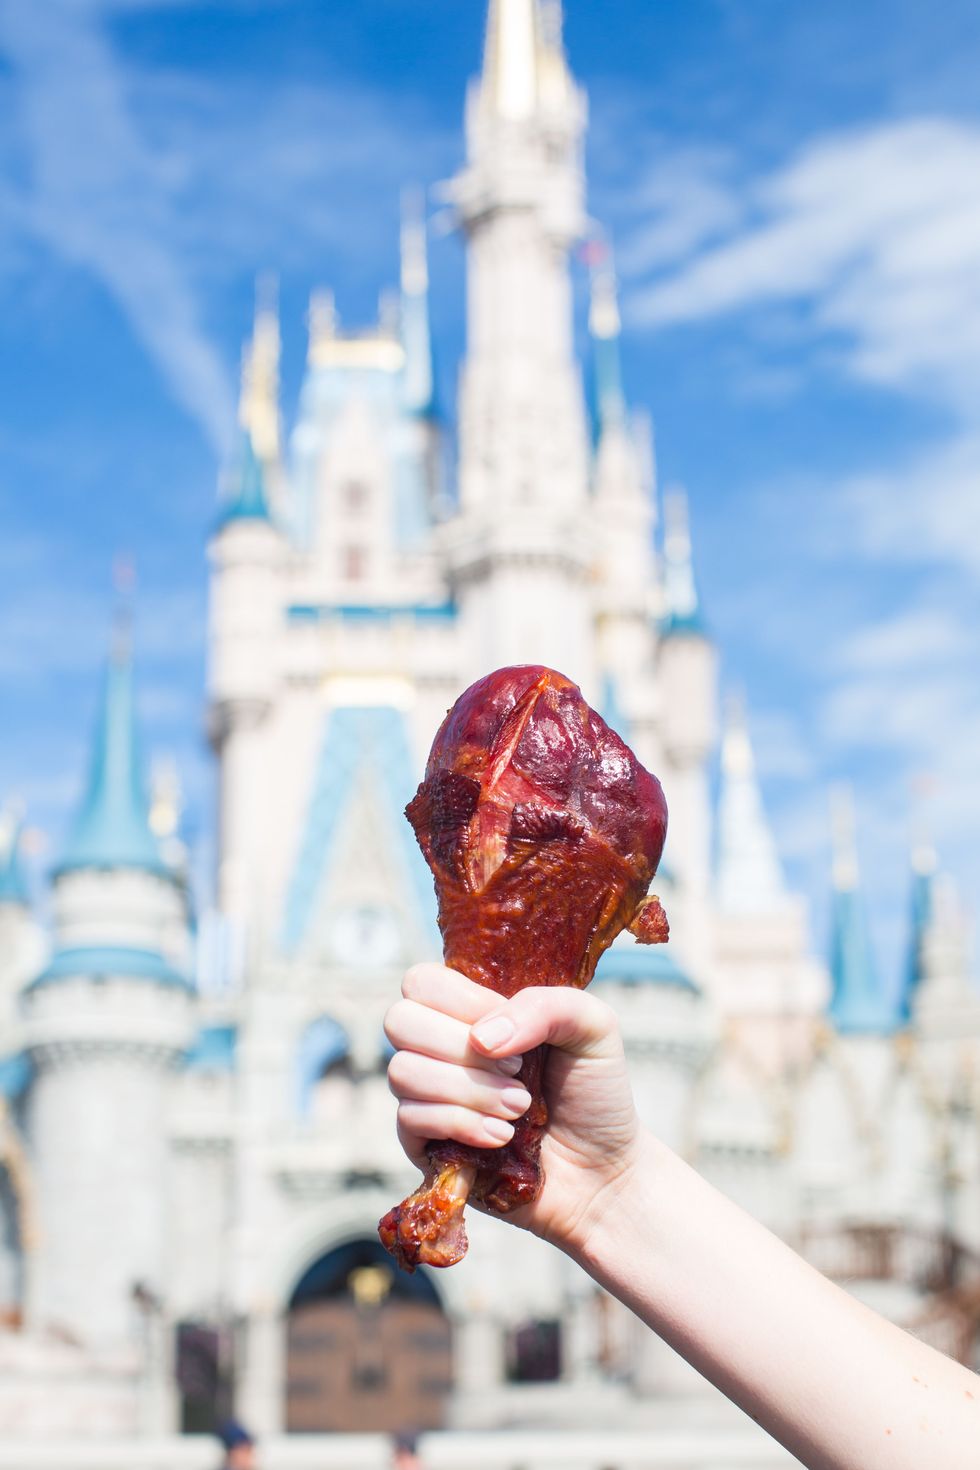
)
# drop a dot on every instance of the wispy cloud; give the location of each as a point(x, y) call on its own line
point(874, 233)
point(164, 185)
point(95, 195)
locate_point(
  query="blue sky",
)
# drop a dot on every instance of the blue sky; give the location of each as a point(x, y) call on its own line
point(794, 195)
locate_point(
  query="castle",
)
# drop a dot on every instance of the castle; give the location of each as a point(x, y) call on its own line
point(196, 1136)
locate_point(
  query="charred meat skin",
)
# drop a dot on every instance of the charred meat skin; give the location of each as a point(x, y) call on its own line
point(543, 833)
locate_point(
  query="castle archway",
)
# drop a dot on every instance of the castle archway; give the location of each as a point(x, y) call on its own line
point(368, 1348)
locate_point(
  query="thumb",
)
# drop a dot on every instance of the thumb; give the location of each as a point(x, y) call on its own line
point(577, 1023)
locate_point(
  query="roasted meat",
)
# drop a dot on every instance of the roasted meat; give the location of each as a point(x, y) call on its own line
point(543, 833)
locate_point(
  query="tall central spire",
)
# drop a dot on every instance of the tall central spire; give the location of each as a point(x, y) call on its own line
point(512, 59)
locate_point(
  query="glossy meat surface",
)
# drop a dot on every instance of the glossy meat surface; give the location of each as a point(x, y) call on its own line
point(543, 833)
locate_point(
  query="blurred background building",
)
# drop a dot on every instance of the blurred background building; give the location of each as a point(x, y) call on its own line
point(196, 1135)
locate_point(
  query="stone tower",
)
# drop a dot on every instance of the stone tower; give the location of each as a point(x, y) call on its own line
point(520, 549)
point(104, 1025)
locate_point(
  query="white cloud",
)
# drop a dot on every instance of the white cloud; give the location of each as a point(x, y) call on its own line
point(95, 199)
point(164, 185)
point(927, 508)
point(917, 637)
point(875, 233)
point(686, 201)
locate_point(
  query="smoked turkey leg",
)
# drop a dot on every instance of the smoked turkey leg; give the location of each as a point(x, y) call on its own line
point(543, 832)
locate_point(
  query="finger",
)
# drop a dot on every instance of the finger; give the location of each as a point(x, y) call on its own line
point(420, 1121)
point(410, 1026)
point(448, 991)
point(570, 1019)
point(415, 1078)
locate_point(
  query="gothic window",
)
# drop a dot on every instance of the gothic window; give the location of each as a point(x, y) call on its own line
point(534, 1352)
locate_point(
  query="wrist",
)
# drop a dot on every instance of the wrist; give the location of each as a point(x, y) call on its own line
point(623, 1210)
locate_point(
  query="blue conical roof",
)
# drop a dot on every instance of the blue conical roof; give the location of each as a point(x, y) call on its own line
point(248, 500)
point(112, 828)
point(13, 879)
point(858, 1004)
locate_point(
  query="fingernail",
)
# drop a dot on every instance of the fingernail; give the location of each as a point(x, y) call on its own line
point(494, 1031)
point(510, 1066)
point(498, 1129)
point(516, 1099)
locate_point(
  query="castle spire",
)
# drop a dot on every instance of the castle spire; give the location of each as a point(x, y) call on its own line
point(512, 60)
point(604, 327)
point(112, 828)
point(749, 877)
point(258, 409)
point(682, 611)
point(415, 332)
point(13, 880)
point(858, 1005)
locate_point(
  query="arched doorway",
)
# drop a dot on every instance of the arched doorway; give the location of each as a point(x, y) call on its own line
point(368, 1348)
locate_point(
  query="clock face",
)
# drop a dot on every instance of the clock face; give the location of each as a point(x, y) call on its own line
point(364, 935)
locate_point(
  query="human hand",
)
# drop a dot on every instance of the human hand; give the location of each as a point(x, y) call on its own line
point(458, 1046)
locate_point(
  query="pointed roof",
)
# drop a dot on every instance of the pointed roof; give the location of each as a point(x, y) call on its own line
point(749, 877)
point(924, 865)
point(682, 609)
point(248, 500)
point(415, 332)
point(13, 879)
point(858, 1004)
point(604, 327)
point(112, 827)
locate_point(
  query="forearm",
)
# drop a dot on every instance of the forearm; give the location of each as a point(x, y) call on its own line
point(841, 1387)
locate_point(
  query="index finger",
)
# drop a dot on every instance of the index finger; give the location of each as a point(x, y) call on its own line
point(448, 991)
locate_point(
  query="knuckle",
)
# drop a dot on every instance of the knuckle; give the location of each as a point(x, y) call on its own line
point(398, 1070)
point(413, 981)
point(395, 1018)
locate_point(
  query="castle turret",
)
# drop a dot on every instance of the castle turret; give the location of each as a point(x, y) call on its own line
point(104, 1024)
point(520, 550)
point(246, 554)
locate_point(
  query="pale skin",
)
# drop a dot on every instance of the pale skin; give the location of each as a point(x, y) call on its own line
point(839, 1386)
